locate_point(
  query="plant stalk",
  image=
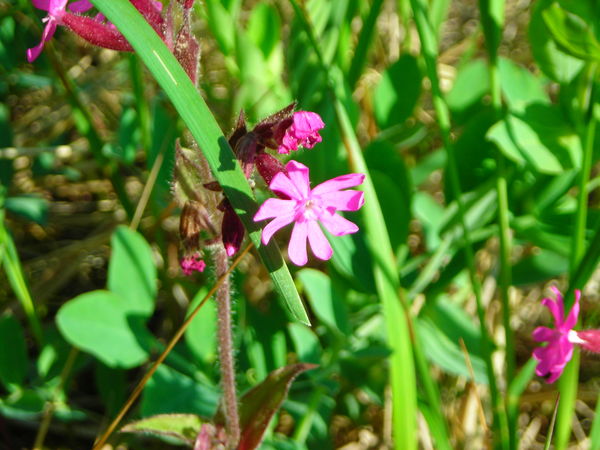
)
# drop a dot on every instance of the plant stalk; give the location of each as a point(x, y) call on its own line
point(226, 351)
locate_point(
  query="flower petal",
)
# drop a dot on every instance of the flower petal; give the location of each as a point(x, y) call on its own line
point(298, 174)
point(80, 6)
point(275, 225)
point(541, 334)
point(41, 4)
point(337, 225)
point(555, 309)
point(274, 207)
point(318, 242)
point(337, 183)
point(343, 200)
point(571, 319)
point(297, 245)
point(283, 184)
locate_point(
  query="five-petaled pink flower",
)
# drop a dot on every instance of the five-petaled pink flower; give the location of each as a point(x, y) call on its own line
point(56, 11)
point(303, 131)
point(553, 358)
point(306, 207)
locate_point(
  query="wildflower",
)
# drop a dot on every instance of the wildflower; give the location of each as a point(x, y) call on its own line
point(306, 207)
point(56, 11)
point(191, 264)
point(304, 131)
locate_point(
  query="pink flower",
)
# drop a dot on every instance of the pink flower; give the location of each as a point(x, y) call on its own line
point(191, 264)
point(56, 12)
point(307, 207)
point(303, 131)
point(553, 358)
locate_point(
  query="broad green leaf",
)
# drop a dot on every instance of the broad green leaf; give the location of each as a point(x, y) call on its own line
point(131, 271)
point(170, 391)
point(539, 138)
point(539, 267)
point(102, 323)
point(259, 404)
point(194, 112)
point(25, 404)
point(520, 87)
point(13, 352)
point(184, 427)
point(200, 335)
point(306, 342)
point(30, 207)
point(326, 301)
point(470, 85)
point(572, 33)
point(351, 260)
point(551, 59)
point(397, 92)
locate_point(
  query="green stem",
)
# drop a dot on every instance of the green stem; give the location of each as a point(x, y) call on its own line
point(569, 378)
point(430, 50)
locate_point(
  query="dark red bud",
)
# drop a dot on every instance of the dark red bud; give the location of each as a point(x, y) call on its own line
point(245, 150)
point(268, 166)
point(96, 33)
point(232, 231)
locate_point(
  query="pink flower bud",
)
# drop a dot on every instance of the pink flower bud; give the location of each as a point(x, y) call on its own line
point(191, 264)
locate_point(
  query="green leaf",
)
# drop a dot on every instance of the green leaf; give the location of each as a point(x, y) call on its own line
point(539, 267)
point(397, 92)
point(13, 352)
point(170, 391)
point(102, 323)
point(572, 33)
point(194, 112)
point(520, 87)
point(30, 207)
point(131, 271)
point(326, 301)
point(549, 56)
point(306, 343)
point(540, 138)
point(200, 335)
point(259, 404)
point(470, 85)
point(264, 28)
point(184, 427)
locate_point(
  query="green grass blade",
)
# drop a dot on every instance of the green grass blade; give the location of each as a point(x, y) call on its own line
point(203, 126)
point(359, 59)
point(12, 266)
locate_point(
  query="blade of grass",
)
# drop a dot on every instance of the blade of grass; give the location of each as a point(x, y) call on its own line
point(397, 314)
point(195, 113)
point(429, 50)
point(359, 59)
point(12, 266)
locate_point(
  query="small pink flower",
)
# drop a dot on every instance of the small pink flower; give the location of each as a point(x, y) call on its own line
point(553, 358)
point(56, 12)
point(303, 131)
point(191, 264)
point(306, 207)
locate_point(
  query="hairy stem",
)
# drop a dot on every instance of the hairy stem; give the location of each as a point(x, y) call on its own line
point(225, 344)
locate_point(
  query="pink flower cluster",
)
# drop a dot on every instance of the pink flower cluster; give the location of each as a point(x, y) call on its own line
point(304, 131)
point(553, 358)
point(191, 264)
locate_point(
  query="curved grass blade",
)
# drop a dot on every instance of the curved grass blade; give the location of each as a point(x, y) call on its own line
point(203, 126)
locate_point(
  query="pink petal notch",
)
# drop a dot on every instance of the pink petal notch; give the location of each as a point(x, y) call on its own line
point(307, 208)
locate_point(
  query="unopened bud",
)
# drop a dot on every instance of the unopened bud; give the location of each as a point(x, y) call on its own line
point(590, 340)
point(268, 166)
point(232, 230)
